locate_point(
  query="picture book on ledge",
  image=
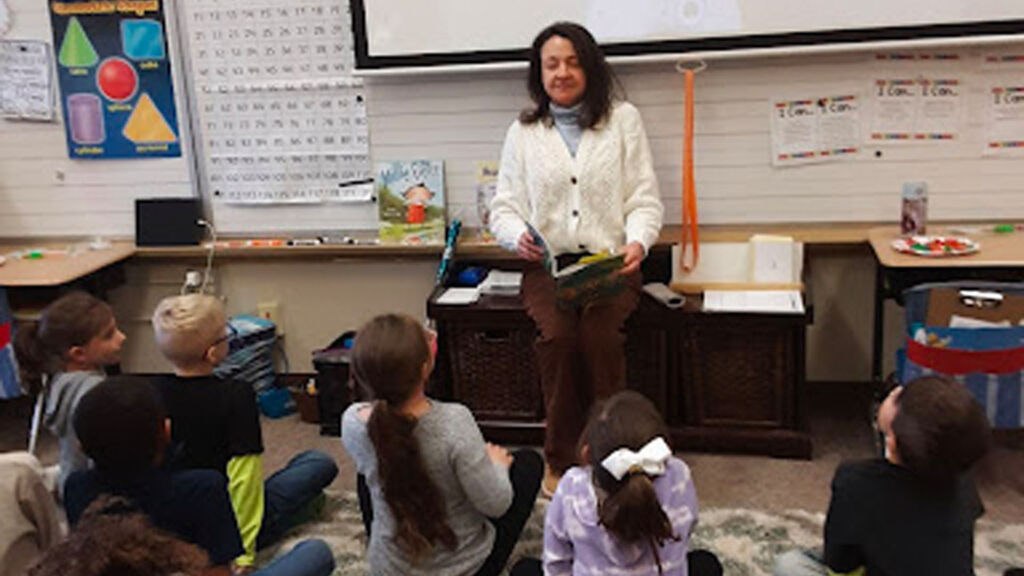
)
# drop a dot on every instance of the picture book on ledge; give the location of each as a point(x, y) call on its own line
point(410, 200)
point(591, 278)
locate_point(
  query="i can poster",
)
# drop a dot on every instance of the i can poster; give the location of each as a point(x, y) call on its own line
point(114, 71)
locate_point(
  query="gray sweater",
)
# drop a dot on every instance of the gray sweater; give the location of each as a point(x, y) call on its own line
point(64, 392)
point(472, 486)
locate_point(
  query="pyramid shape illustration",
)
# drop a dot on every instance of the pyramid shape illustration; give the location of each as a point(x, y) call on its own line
point(147, 124)
point(76, 51)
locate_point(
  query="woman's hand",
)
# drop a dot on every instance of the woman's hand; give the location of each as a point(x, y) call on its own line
point(634, 255)
point(498, 455)
point(527, 249)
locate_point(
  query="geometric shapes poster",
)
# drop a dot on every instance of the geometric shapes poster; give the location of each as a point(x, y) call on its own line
point(115, 78)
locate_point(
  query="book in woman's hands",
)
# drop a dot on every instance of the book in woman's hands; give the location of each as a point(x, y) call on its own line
point(592, 278)
point(549, 260)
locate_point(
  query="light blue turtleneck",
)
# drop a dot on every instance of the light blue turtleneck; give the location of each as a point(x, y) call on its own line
point(567, 122)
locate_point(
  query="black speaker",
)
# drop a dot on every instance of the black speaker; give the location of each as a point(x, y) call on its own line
point(167, 222)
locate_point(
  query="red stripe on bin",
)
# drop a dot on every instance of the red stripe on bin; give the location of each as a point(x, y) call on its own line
point(948, 361)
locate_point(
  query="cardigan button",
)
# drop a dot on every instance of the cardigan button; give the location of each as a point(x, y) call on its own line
point(575, 213)
point(582, 247)
point(573, 179)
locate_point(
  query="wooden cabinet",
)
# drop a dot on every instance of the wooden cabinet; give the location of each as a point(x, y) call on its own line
point(730, 382)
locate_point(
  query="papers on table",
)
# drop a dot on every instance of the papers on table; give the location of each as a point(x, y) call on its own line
point(755, 301)
point(459, 296)
point(501, 283)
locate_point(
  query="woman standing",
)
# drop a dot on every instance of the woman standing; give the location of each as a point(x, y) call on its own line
point(577, 167)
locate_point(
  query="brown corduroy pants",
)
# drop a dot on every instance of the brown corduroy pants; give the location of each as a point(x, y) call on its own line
point(581, 358)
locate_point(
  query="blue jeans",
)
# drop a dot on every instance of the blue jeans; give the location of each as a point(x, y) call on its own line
point(308, 558)
point(289, 490)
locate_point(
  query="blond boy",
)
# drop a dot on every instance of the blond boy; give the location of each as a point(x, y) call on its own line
point(215, 424)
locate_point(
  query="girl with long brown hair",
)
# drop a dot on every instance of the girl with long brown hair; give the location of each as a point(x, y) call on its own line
point(75, 338)
point(631, 508)
point(441, 500)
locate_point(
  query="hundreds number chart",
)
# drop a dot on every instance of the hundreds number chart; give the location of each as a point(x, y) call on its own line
point(282, 119)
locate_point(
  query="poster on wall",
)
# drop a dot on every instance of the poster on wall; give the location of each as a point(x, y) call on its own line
point(114, 71)
point(815, 129)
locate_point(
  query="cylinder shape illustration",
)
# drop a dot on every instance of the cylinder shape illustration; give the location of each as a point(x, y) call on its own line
point(86, 118)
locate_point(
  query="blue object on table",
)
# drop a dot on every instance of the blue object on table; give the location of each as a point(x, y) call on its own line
point(471, 277)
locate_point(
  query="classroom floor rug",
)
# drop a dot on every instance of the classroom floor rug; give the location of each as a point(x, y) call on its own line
point(746, 541)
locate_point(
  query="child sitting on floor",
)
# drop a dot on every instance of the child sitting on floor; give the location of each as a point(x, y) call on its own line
point(75, 338)
point(913, 511)
point(216, 426)
point(441, 500)
point(122, 426)
point(631, 508)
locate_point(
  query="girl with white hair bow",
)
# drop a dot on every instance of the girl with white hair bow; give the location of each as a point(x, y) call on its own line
point(630, 509)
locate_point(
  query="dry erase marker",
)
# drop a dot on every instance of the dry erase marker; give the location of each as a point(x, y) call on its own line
point(304, 242)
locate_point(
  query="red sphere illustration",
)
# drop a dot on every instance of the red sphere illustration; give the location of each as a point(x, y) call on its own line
point(117, 79)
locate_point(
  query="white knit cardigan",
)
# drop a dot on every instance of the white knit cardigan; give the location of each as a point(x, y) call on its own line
point(605, 197)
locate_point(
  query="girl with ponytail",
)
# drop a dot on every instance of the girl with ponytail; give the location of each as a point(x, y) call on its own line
point(631, 508)
point(75, 338)
point(437, 498)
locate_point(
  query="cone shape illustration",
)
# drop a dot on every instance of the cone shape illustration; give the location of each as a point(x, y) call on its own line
point(76, 50)
point(147, 124)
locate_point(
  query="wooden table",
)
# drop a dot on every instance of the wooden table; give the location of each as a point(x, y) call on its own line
point(1001, 258)
point(57, 269)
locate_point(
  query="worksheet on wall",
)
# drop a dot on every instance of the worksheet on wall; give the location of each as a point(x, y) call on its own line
point(815, 129)
point(25, 72)
point(281, 118)
point(1004, 107)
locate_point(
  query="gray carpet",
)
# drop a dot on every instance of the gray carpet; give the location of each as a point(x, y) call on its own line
point(746, 541)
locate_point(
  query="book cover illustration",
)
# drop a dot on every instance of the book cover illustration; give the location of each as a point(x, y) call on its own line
point(592, 278)
point(486, 186)
point(410, 197)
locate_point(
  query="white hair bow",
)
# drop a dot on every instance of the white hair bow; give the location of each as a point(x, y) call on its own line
point(650, 459)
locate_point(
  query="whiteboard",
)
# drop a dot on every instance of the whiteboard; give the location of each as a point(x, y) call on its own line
point(399, 33)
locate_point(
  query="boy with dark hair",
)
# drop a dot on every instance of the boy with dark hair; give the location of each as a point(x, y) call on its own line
point(913, 511)
point(121, 426)
point(216, 425)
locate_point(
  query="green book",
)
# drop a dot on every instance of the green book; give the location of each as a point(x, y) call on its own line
point(592, 278)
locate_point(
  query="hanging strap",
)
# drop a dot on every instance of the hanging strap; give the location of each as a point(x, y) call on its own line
point(690, 235)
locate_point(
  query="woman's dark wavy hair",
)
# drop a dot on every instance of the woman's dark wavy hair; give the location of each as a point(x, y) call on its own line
point(115, 539)
point(71, 320)
point(388, 357)
point(631, 511)
point(602, 85)
point(940, 430)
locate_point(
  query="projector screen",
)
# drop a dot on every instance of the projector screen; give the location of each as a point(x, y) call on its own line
point(412, 33)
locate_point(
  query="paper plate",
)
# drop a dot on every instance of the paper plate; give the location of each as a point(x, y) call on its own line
point(936, 246)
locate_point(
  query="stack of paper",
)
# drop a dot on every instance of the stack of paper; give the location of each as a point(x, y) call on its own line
point(501, 283)
point(459, 296)
point(754, 301)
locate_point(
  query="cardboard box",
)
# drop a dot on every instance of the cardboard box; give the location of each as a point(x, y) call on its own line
point(945, 303)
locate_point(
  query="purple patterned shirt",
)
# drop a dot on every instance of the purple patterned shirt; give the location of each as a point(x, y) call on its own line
point(575, 543)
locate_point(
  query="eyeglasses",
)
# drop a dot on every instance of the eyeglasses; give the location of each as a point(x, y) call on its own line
point(229, 333)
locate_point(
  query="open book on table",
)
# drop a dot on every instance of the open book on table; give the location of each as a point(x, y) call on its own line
point(591, 278)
